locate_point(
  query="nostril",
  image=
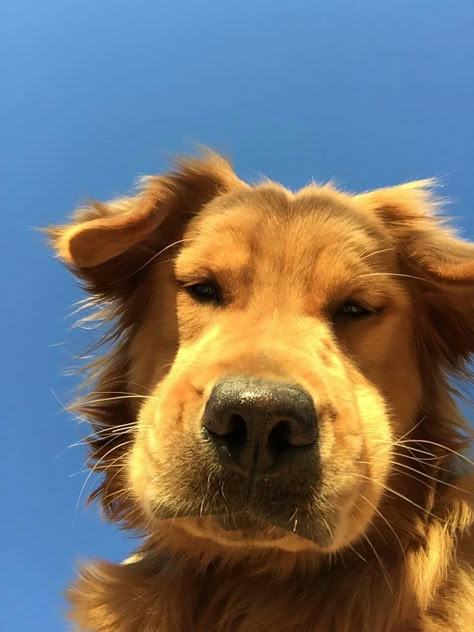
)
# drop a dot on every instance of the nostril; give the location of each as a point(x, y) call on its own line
point(233, 432)
point(236, 434)
point(279, 437)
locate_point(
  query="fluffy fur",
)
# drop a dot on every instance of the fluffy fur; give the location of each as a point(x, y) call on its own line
point(377, 534)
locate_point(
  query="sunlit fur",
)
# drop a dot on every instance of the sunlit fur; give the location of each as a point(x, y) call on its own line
point(386, 506)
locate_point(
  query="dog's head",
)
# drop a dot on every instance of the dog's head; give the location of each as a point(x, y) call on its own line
point(272, 353)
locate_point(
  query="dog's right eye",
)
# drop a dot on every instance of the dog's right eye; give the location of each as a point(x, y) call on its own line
point(204, 292)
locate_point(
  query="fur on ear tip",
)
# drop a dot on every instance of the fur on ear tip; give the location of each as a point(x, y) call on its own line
point(103, 231)
point(210, 164)
point(462, 273)
point(406, 200)
point(74, 248)
point(57, 242)
point(206, 157)
point(68, 243)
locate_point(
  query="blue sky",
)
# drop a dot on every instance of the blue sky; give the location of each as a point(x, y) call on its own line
point(95, 93)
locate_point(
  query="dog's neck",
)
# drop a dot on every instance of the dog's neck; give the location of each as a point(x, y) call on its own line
point(198, 584)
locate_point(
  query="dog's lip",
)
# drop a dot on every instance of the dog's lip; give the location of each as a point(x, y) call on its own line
point(242, 521)
point(246, 525)
point(251, 520)
point(256, 529)
point(266, 531)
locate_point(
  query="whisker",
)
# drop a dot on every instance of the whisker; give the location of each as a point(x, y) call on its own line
point(102, 400)
point(119, 468)
point(120, 393)
point(157, 254)
point(381, 564)
point(424, 461)
point(433, 478)
point(374, 526)
point(443, 447)
point(400, 495)
point(359, 555)
point(373, 254)
point(427, 458)
point(412, 429)
point(379, 513)
point(118, 494)
point(330, 531)
point(397, 274)
point(377, 556)
point(104, 434)
point(390, 444)
point(93, 469)
point(201, 508)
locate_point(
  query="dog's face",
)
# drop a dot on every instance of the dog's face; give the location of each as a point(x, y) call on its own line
point(278, 347)
point(294, 365)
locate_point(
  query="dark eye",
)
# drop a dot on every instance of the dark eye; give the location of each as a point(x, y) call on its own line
point(204, 292)
point(354, 311)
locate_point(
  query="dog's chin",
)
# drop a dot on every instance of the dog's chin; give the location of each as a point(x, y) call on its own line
point(244, 529)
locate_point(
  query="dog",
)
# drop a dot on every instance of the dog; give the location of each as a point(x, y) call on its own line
point(274, 411)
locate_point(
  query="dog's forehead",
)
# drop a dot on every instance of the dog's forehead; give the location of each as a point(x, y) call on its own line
point(268, 220)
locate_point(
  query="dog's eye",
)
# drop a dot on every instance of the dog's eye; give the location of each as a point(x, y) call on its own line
point(204, 292)
point(353, 310)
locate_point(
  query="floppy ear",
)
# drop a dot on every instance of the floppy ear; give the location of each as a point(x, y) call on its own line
point(110, 239)
point(430, 250)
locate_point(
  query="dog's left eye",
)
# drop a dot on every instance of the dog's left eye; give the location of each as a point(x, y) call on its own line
point(204, 292)
point(353, 310)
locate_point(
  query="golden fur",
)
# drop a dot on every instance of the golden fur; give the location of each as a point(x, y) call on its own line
point(390, 517)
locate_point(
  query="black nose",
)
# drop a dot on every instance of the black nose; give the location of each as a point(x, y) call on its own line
point(259, 426)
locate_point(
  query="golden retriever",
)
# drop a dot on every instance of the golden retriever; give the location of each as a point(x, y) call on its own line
point(274, 410)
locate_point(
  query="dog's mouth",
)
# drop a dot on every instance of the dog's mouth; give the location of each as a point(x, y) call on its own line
point(252, 523)
point(247, 530)
point(245, 523)
point(258, 508)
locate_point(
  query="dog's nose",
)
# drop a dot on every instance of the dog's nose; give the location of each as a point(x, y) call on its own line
point(259, 426)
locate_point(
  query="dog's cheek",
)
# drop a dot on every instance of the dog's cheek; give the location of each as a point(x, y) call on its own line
point(165, 462)
point(389, 361)
point(155, 343)
point(356, 471)
point(140, 469)
point(374, 466)
point(154, 457)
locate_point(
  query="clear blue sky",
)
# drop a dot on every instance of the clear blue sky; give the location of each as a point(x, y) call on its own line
point(96, 92)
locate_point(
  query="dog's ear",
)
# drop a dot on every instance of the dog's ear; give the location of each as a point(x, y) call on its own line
point(442, 263)
point(115, 238)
